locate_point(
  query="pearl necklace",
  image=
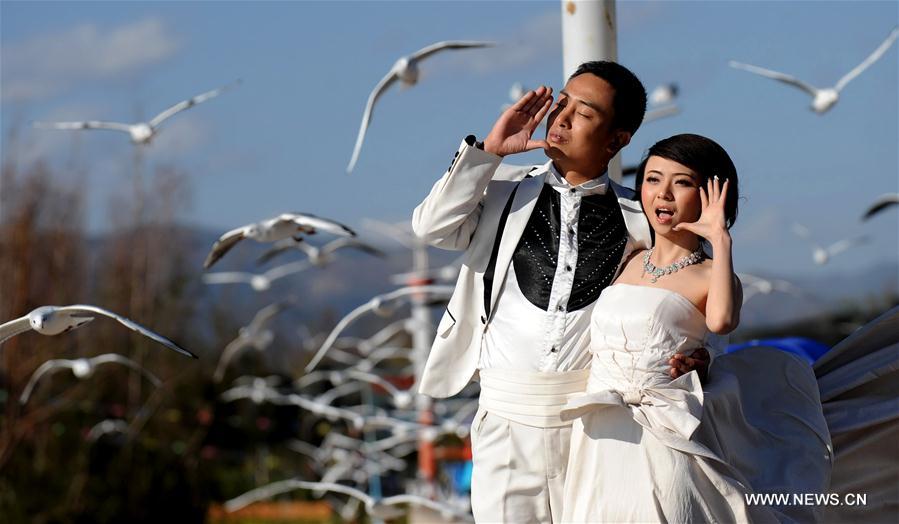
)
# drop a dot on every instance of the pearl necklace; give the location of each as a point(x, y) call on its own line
point(656, 272)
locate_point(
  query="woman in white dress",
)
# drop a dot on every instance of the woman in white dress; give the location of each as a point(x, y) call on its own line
point(634, 452)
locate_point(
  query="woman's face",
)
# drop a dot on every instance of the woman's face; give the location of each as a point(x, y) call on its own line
point(670, 194)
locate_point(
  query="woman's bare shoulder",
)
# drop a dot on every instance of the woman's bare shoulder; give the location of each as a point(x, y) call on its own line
point(632, 265)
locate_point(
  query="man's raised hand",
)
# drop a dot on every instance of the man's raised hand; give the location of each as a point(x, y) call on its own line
point(512, 131)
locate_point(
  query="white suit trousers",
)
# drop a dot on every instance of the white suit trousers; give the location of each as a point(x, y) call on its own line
point(520, 445)
point(518, 471)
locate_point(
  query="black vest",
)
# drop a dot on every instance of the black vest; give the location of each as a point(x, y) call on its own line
point(602, 236)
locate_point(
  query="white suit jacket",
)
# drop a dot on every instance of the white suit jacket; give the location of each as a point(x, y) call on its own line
point(463, 212)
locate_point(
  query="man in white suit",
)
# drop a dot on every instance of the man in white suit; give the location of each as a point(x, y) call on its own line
point(541, 243)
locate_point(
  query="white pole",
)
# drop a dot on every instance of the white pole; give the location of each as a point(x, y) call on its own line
point(589, 33)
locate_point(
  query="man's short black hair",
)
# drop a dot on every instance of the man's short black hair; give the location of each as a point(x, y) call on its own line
point(630, 95)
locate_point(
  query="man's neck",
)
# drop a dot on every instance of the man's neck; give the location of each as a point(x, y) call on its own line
point(576, 177)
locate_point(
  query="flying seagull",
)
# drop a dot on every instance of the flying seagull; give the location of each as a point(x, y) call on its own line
point(823, 99)
point(83, 368)
point(142, 132)
point(380, 303)
point(53, 320)
point(822, 254)
point(107, 426)
point(285, 225)
point(754, 285)
point(401, 399)
point(406, 71)
point(883, 201)
point(663, 94)
point(319, 256)
point(376, 508)
point(259, 282)
point(256, 334)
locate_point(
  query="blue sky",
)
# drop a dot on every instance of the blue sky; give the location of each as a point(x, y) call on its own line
point(282, 139)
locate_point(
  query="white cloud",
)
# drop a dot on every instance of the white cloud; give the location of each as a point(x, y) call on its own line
point(49, 63)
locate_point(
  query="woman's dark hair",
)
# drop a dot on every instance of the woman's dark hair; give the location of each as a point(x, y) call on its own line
point(706, 158)
point(630, 95)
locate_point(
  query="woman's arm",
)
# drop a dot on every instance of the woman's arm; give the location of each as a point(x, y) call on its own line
point(725, 297)
point(722, 308)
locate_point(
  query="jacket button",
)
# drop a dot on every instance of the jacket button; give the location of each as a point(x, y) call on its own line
point(554, 349)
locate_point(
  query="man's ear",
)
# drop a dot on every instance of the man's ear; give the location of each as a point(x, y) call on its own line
point(619, 140)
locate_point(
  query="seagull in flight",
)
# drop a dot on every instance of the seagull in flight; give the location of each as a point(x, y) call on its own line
point(883, 201)
point(105, 427)
point(823, 99)
point(83, 368)
point(379, 305)
point(285, 225)
point(259, 282)
point(53, 320)
point(663, 94)
point(822, 255)
point(379, 509)
point(256, 334)
point(141, 133)
point(662, 102)
point(406, 71)
point(753, 285)
point(401, 399)
point(319, 256)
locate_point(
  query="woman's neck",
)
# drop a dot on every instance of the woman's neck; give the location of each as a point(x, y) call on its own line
point(670, 248)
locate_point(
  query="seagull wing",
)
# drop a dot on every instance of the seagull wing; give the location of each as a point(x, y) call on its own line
point(843, 245)
point(341, 243)
point(223, 245)
point(873, 57)
point(279, 247)
point(376, 93)
point(661, 112)
point(285, 486)
point(417, 500)
point(130, 324)
point(800, 230)
point(748, 279)
point(228, 277)
point(319, 224)
point(114, 358)
point(882, 202)
point(13, 328)
point(186, 104)
point(286, 269)
point(90, 124)
point(787, 79)
point(43, 369)
point(230, 350)
point(264, 315)
point(425, 52)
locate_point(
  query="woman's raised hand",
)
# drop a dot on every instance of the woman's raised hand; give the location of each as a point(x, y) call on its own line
point(512, 131)
point(712, 221)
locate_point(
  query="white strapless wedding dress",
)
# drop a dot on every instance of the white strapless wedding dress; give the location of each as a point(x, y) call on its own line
point(646, 448)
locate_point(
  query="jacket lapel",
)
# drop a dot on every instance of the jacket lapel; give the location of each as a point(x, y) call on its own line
point(522, 206)
point(634, 219)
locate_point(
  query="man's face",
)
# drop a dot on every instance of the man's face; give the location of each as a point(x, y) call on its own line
point(579, 129)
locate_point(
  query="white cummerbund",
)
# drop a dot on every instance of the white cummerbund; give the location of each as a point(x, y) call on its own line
point(531, 398)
